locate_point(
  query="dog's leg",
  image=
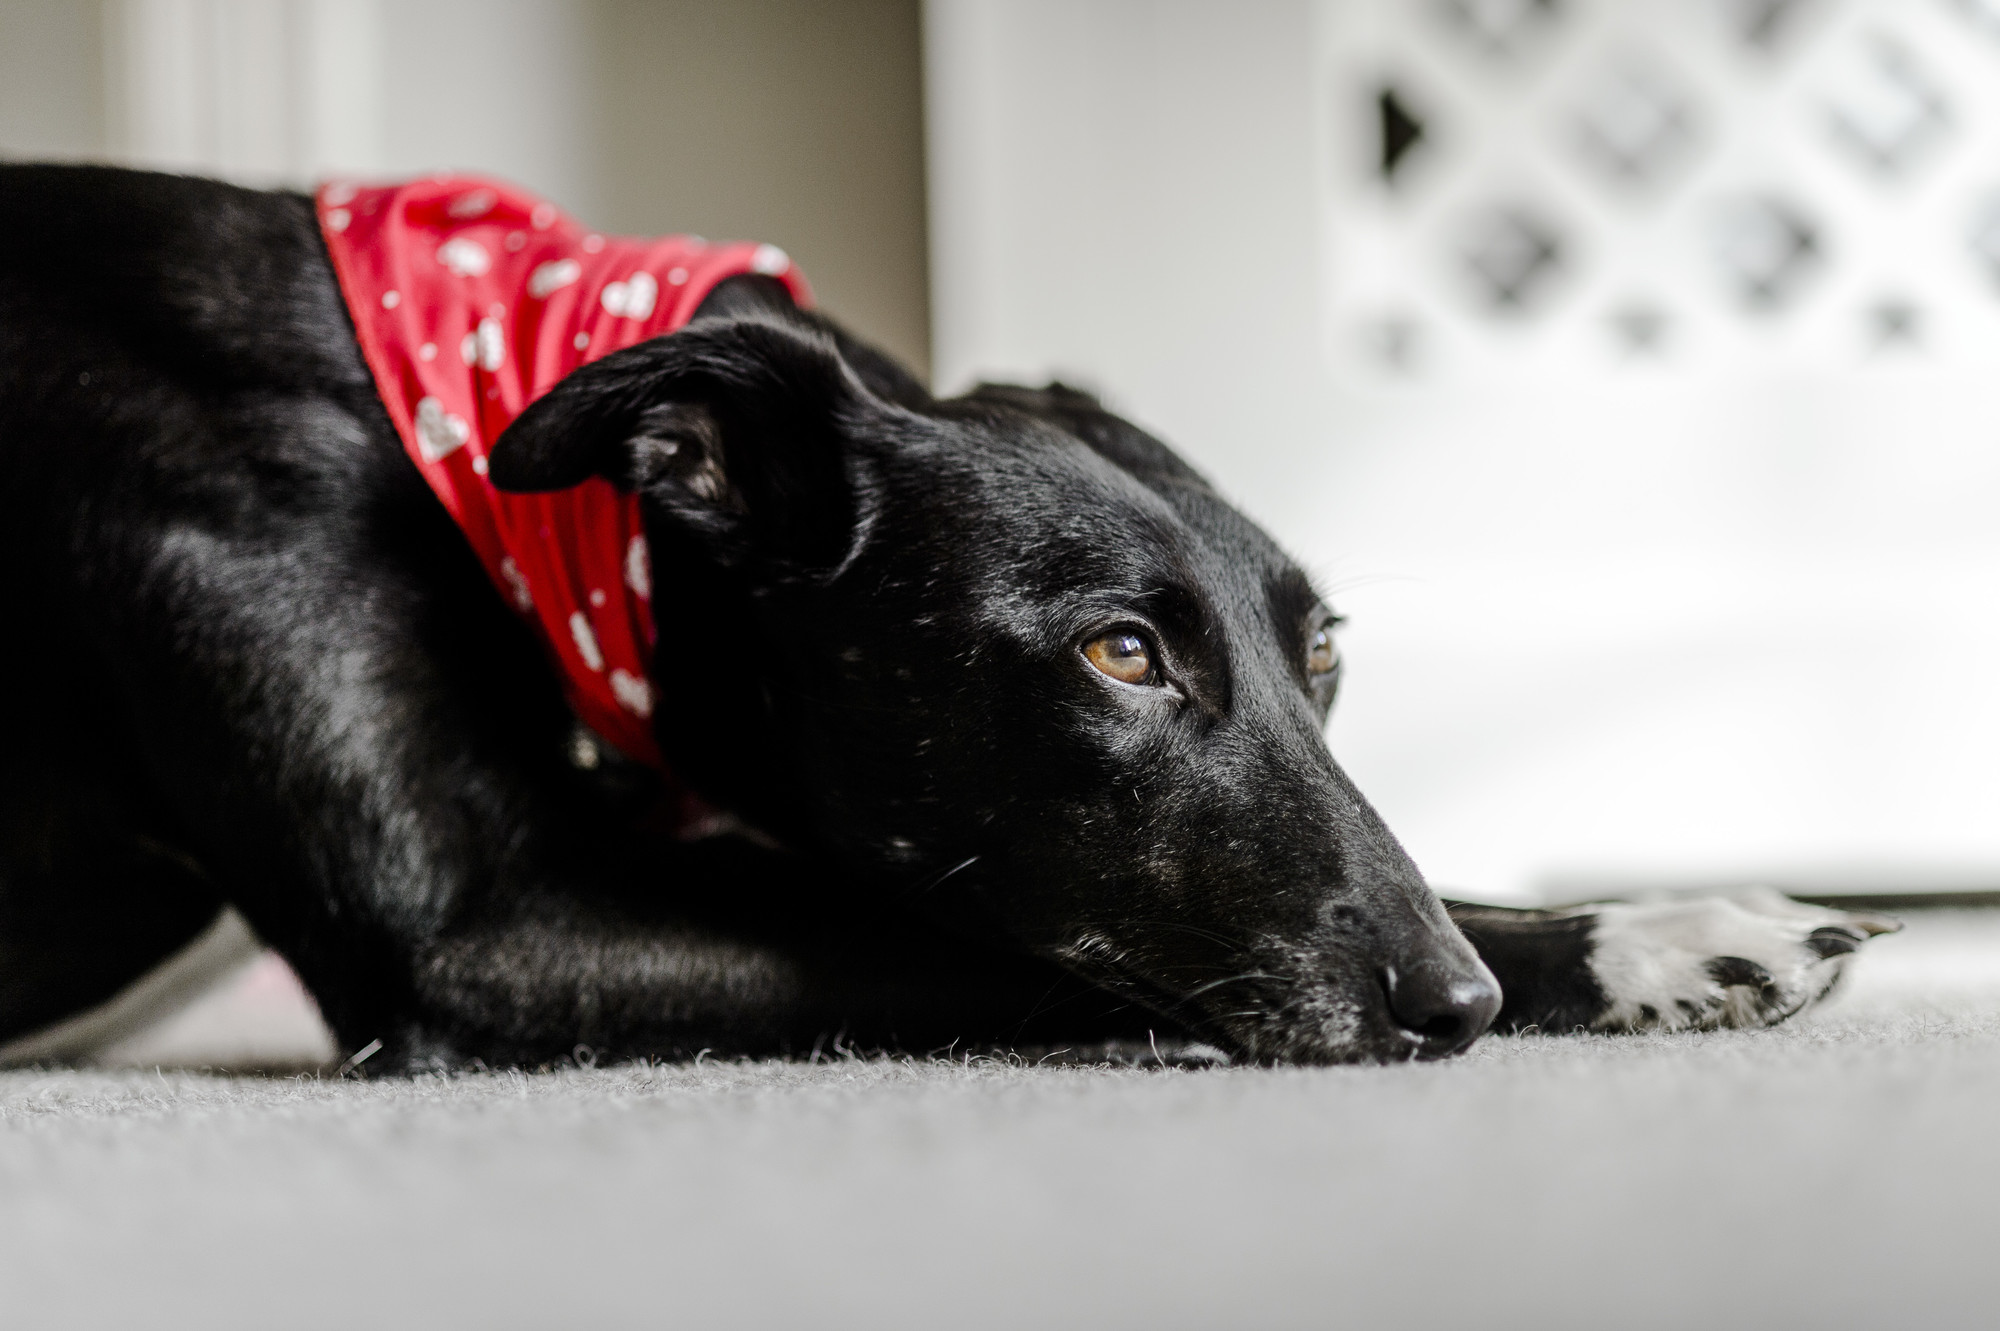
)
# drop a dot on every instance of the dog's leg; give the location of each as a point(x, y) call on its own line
point(1749, 959)
point(546, 967)
point(94, 890)
point(87, 905)
point(443, 896)
point(368, 755)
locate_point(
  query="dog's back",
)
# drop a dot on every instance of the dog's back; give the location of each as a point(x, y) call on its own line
point(216, 284)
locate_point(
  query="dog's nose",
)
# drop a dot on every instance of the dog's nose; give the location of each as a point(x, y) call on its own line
point(1443, 1006)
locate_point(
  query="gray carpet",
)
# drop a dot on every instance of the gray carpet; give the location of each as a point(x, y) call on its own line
point(1839, 1172)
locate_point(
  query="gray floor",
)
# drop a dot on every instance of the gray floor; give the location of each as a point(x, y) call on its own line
point(1839, 1172)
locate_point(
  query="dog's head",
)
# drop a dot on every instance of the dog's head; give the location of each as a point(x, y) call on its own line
point(1008, 654)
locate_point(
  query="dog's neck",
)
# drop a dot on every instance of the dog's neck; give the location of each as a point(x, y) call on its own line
point(470, 299)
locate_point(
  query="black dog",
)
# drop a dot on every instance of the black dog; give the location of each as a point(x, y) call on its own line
point(1026, 720)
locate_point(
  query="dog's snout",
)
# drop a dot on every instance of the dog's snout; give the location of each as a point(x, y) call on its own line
point(1443, 1007)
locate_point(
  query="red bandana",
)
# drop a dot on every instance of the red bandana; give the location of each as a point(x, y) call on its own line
point(472, 299)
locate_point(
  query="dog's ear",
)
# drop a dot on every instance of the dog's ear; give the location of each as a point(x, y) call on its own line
point(737, 428)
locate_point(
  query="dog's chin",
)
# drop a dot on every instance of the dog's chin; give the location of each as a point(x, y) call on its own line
point(1299, 1023)
point(1316, 1026)
point(1323, 1030)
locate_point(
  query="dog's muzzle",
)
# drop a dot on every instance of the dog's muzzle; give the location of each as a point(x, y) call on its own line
point(1440, 1005)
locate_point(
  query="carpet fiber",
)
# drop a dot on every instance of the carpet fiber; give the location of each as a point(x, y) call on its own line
point(1837, 1172)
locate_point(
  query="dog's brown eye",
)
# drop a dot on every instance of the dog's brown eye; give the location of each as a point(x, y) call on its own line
point(1123, 656)
point(1321, 655)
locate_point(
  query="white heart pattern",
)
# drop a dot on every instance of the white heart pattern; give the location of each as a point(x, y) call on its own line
point(439, 433)
point(474, 203)
point(491, 344)
point(586, 641)
point(517, 584)
point(639, 568)
point(770, 260)
point(553, 276)
point(464, 256)
point(633, 298)
point(634, 694)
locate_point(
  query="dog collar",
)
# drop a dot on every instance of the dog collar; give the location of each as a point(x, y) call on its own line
point(471, 299)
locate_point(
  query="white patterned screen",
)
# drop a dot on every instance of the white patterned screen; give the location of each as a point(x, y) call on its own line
point(1628, 370)
point(1664, 488)
point(1531, 187)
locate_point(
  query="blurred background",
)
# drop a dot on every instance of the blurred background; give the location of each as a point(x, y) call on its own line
point(1625, 368)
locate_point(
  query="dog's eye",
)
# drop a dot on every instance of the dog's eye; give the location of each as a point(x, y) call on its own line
point(1123, 656)
point(1322, 657)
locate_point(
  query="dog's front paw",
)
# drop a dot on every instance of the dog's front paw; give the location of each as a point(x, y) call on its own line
point(1749, 959)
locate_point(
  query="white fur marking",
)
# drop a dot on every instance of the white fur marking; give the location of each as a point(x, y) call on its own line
point(1652, 960)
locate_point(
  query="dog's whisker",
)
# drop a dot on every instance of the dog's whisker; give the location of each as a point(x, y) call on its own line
point(938, 881)
point(1130, 925)
point(1247, 976)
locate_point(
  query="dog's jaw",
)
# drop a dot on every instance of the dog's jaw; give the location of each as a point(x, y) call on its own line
point(1284, 1004)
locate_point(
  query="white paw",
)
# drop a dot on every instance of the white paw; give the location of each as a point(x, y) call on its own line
point(1749, 959)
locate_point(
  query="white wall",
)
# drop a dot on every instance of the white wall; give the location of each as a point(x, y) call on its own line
point(781, 119)
point(51, 78)
point(1610, 628)
point(286, 92)
point(289, 91)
